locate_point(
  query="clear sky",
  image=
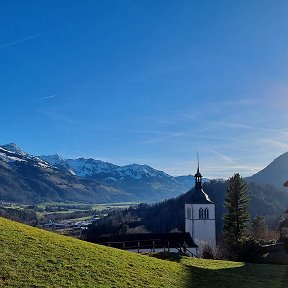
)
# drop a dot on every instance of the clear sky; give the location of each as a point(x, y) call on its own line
point(147, 81)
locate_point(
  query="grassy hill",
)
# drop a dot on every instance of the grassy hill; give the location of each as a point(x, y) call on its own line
point(35, 258)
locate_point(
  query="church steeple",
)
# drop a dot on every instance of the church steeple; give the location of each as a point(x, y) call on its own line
point(200, 214)
point(198, 176)
point(199, 196)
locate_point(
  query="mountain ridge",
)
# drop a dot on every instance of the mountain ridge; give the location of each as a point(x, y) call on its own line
point(145, 182)
point(275, 173)
point(28, 178)
point(24, 177)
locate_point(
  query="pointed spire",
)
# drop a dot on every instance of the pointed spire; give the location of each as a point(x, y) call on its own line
point(198, 175)
point(198, 170)
point(199, 196)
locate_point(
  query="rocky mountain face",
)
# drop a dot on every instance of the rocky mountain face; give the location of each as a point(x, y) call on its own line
point(142, 181)
point(31, 179)
point(276, 173)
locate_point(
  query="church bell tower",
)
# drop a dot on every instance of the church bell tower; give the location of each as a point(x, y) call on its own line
point(200, 215)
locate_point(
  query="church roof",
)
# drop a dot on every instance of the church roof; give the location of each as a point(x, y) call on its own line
point(200, 197)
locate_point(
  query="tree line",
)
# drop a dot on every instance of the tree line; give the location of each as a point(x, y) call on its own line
point(240, 232)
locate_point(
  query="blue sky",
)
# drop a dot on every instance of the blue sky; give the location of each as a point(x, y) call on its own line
point(147, 82)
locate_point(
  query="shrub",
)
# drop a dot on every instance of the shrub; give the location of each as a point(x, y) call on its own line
point(249, 250)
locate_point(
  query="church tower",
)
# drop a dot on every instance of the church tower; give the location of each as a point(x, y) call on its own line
point(200, 215)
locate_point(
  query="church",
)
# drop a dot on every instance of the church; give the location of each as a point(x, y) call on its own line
point(199, 229)
point(200, 216)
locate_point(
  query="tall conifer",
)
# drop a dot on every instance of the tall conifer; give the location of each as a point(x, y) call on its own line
point(236, 217)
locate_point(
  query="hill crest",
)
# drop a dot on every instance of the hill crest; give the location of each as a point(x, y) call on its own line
point(275, 173)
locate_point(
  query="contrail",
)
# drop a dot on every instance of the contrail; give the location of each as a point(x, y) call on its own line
point(23, 39)
point(47, 97)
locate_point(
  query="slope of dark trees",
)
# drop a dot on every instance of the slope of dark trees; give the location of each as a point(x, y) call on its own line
point(274, 174)
point(168, 215)
point(26, 216)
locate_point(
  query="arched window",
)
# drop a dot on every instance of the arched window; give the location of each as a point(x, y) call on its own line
point(206, 213)
point(201, 213)
point(189, 213)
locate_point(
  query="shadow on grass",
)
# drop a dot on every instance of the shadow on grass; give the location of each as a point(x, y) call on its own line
point(221, 275)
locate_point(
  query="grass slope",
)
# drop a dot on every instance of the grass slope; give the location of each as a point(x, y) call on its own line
point(32, 257)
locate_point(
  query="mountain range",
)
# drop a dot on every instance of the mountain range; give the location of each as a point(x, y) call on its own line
point(34, 179)
point(28, 178)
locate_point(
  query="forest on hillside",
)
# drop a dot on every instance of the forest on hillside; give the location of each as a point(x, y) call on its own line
point(168, 215)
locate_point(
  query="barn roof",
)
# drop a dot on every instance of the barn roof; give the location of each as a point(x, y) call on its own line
point(147, 240)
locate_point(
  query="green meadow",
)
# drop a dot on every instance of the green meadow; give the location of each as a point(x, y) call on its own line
point(31, 257)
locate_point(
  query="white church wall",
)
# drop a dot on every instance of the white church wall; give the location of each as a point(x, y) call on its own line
point(204, 232)
point(196, 207)
point(201, 230)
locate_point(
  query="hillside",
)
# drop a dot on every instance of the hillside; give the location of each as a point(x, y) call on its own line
point(276, 173)
point(167, 215)
point(34, 258)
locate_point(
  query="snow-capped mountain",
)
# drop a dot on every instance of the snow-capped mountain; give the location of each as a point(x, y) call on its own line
point(52, 178)
point(11, 153)
point(143, 181)
point(137, 171)
point(56, 161)
point(12, 147)
point(89, 167)
point(29, 179)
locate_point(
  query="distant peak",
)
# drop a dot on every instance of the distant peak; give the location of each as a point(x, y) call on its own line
point(12, 147)
point(52, 159)
point(56, 156)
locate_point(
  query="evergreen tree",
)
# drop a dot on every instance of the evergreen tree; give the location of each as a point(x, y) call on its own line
point(236, 217)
